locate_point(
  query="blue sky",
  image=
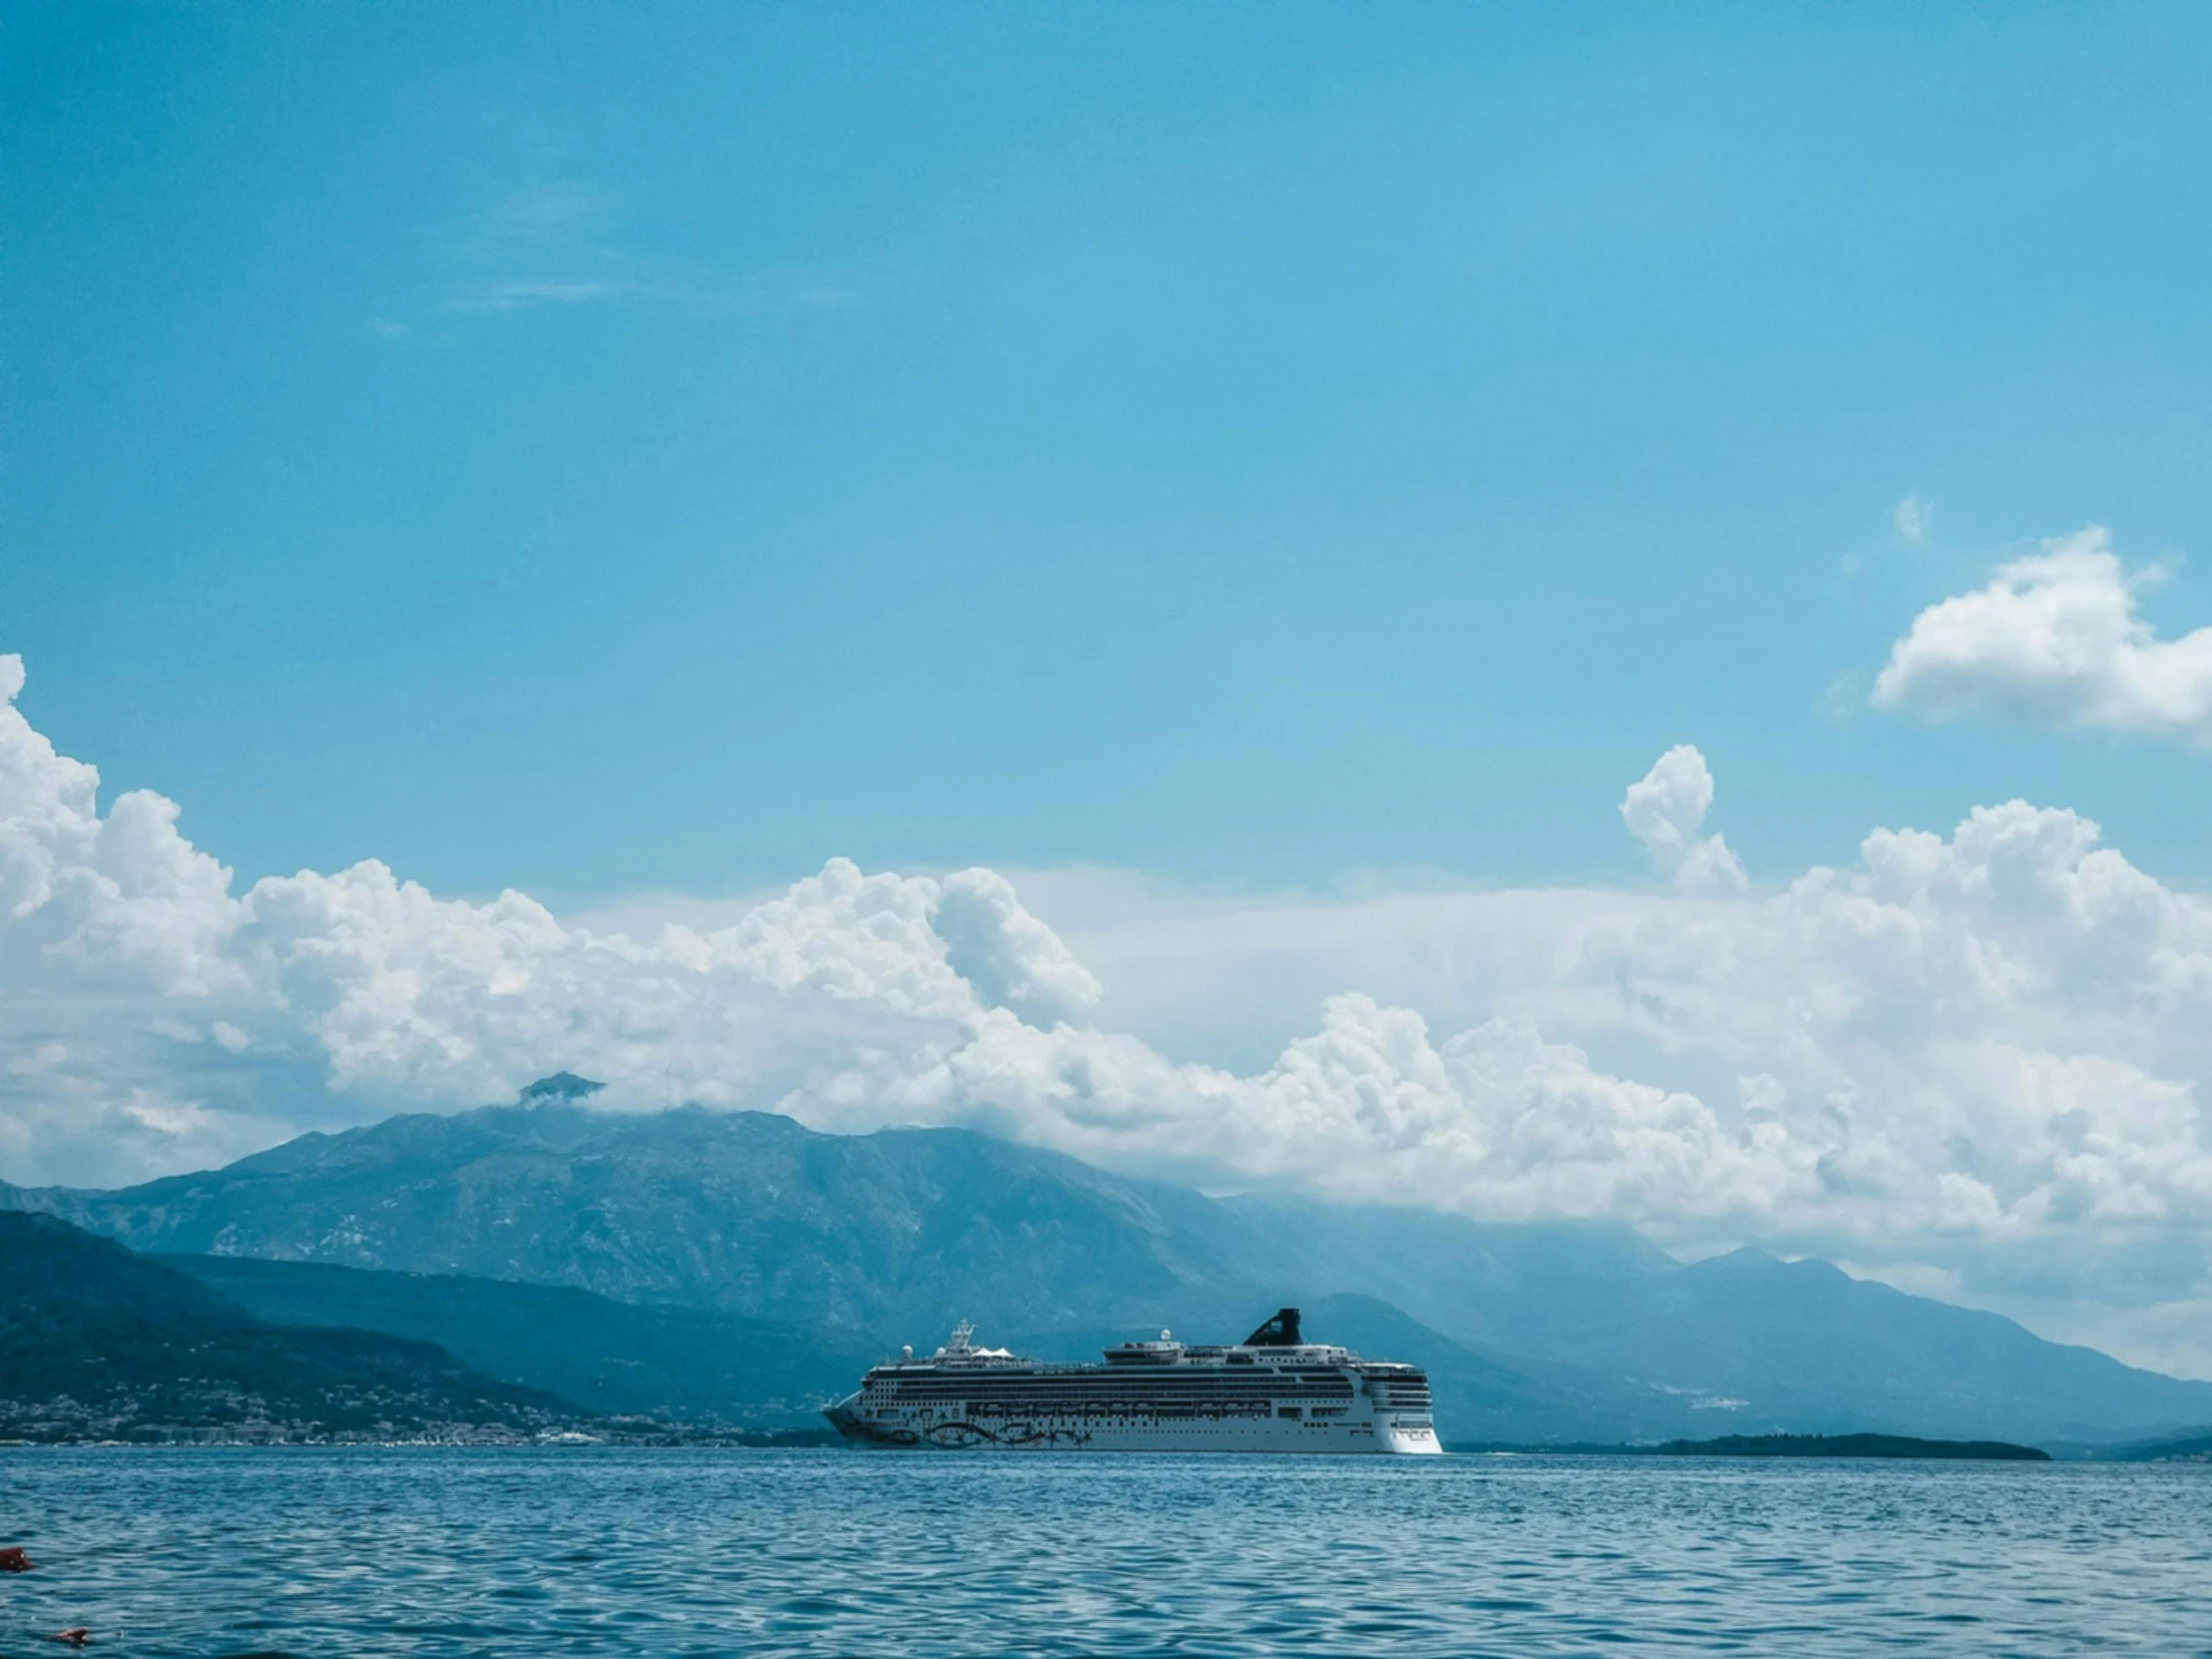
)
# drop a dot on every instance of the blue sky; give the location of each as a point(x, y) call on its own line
point(596, 449)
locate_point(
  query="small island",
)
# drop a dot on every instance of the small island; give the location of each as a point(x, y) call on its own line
point(1851, 1445)
point(1775, 1446)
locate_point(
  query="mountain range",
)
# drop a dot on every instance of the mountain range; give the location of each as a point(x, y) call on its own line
point(739, 1265)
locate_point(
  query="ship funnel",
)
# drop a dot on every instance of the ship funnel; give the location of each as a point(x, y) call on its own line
point(1279, 1332)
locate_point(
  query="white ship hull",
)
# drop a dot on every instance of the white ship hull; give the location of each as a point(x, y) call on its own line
point(1272, 1392)
point(1262, 1434)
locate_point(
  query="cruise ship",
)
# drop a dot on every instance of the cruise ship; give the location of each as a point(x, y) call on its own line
point(1273, 1392)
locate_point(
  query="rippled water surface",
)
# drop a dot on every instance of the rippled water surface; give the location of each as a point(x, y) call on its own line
point(201, 1554)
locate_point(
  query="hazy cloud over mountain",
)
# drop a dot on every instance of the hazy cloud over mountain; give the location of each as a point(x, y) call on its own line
point(1973, 1055)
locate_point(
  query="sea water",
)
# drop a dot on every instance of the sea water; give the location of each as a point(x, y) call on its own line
point(197, 1554)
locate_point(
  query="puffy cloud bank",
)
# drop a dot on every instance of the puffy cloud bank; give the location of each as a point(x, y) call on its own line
point(2054, 640)
point(1972, 1054)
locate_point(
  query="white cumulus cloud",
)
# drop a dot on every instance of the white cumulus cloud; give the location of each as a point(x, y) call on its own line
point(1666, 809)
point(2054, 640)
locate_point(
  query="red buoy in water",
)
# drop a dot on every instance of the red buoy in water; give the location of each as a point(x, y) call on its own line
point(12, 1559)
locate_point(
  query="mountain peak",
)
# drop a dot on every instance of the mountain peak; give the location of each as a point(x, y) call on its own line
point(562, 1085)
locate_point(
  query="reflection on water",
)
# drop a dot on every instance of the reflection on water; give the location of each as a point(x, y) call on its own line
point(199, 1553)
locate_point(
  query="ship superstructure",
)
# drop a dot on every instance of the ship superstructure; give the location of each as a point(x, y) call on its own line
point(1273, 1392)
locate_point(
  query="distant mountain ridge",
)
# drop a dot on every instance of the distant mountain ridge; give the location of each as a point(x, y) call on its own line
point(746, 1212)
point(1539, 1333)
point(612, 1357)
point(99, 1343)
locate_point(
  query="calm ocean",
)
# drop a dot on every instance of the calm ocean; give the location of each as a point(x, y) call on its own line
point(197, 1554)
